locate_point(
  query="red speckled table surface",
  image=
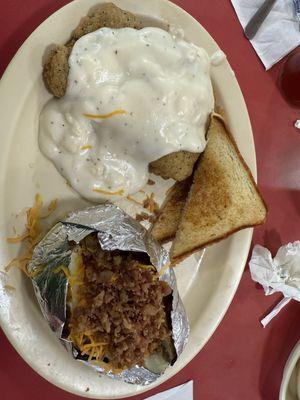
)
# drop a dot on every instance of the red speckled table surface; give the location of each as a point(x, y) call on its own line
point(241, 360)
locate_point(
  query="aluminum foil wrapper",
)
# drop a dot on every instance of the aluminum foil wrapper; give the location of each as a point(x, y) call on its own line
point(116, 231)
point(278, 274)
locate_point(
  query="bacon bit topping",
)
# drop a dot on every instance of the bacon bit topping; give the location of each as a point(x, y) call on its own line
point(122, 320)
point(142, 217)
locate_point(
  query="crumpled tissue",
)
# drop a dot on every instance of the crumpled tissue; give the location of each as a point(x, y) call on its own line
point(278, 35)
point(278, 274)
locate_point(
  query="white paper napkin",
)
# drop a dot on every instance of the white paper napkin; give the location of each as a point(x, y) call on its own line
point(182, 392)
point(278, 274)
point(279, 33)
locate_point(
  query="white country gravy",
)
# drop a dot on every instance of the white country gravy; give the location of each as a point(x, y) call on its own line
point(133, 96)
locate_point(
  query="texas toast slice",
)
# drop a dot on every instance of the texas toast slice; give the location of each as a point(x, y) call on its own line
point(223, 197)
point(165, 227)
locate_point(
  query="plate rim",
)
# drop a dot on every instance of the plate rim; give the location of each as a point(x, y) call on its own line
point(289, 367)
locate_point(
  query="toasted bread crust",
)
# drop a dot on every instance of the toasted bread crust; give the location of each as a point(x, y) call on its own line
point(176, 259)
point(247, 169)
point(166, 224)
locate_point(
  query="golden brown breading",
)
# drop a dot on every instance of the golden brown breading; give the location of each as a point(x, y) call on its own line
point(56, 68)
point(178, 165)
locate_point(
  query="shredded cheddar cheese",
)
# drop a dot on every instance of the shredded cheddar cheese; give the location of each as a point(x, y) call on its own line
point(164, 268)
point(150, 204)
point(9, 288)
point(87, 147)
point(104, 116)
point(130, 198)
point(89, 346)
point(32, 225)
point(17, 239)
point(119, 192)
point(73, 280)
point(145, 266)
point(52, 206)
point(32, 234)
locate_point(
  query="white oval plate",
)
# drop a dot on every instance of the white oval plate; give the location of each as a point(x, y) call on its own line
point(206, 291)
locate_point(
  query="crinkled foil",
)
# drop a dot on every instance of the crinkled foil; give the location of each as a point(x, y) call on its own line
point(116, 231)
